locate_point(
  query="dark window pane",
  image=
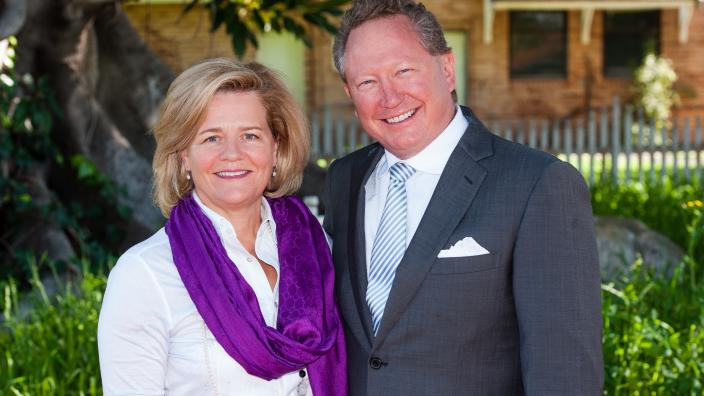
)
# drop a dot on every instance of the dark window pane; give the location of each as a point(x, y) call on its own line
point(628, 37)
point(538, 44)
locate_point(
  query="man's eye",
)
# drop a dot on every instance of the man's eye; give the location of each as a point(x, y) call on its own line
point(404, 71)
point(365, 83)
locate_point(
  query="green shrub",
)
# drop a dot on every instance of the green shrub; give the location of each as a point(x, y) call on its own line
point(51, 349)
point(654, 325)
point(665, 206)
point(653, 334)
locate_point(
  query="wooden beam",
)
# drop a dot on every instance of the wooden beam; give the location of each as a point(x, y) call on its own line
point(587, 17)
point(685, 18)
point(588, 4)
point(488, 22)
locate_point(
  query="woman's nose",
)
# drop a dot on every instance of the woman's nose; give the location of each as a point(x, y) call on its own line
point(231, 149)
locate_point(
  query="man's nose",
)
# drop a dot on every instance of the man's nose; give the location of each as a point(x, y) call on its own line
point(390, 95)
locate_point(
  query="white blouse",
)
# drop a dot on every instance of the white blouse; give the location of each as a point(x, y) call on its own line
point(153, 341)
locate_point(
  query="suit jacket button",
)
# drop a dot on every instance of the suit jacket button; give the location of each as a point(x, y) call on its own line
point(375, 363)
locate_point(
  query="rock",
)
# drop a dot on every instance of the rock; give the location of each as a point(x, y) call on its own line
point(621, 241)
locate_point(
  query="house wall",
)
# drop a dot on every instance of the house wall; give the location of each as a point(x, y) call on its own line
point(180, 40)
point(183, 40)
point(491, 92)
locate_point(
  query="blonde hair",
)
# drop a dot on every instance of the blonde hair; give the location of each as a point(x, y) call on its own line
point(183, 111)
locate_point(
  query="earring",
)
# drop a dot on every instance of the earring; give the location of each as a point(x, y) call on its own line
point(188, 175)
point(273, 172)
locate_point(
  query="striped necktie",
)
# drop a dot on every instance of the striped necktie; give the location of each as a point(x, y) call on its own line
point(389, 243)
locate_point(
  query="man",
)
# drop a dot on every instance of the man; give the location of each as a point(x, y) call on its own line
point(465, 264)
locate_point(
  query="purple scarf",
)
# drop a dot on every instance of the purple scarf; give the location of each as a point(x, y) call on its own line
point(309, 330)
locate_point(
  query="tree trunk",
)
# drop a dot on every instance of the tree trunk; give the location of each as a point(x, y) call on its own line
point(109, 85)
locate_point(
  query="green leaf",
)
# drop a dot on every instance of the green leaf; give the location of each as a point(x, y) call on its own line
point(189, 6)
point(238, 33)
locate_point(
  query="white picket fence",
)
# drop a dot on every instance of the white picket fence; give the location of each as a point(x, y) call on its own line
point(611, 135)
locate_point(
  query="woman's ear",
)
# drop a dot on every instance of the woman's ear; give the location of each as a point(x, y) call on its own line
point(184, 160)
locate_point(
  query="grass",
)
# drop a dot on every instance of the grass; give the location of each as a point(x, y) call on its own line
point(645, 167)
point(654, 325)
point(51, 348)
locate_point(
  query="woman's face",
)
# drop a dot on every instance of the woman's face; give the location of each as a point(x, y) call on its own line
point(233, 153)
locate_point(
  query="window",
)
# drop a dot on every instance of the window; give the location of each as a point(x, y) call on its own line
point(538, 44)
point(628, 37)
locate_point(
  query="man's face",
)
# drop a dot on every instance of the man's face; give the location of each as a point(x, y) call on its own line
point(401, 93)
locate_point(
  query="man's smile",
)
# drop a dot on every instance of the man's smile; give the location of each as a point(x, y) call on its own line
point(401, 117)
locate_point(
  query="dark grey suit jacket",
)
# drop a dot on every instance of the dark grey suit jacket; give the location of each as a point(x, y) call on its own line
point(524, 319)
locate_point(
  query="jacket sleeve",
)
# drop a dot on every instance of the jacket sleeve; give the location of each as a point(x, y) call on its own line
point(328, 199)
point(557, 289)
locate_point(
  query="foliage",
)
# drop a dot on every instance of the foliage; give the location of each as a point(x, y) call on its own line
point(27, 154)
point(243, 19)
point(654, 84)
point(654, 325)
point(654, 334)
point(51, 348)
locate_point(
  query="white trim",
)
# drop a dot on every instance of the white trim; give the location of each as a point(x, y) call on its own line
point(685, 18)
point(488, 22)
point(587, 17)
point(159, 2)
point(588, 4)
point(685, 8)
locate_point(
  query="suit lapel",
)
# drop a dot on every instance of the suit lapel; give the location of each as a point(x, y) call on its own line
point(453, 195)
point(357, 258)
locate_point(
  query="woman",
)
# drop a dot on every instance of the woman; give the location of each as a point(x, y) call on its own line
point(234, 295)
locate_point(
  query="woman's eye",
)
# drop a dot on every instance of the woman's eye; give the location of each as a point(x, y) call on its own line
point(211, 139)
point(250, 136)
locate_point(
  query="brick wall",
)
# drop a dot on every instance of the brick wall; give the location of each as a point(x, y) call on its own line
point(688, 60)
point(494, 95)
point(180, 40)
point(183, 40)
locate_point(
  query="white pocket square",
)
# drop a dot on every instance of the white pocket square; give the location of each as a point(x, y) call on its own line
point(464, 248)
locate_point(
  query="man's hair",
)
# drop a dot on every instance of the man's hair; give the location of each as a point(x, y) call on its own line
point(184, 110)
point(427, 28)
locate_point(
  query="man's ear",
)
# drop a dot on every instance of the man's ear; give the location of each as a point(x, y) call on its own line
point(347, 91)
point(447, 63)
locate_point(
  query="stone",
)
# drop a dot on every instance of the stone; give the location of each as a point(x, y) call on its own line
point(621, 241)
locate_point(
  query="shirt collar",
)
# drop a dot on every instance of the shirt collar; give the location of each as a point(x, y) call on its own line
point(221, 223)
point(433, 158)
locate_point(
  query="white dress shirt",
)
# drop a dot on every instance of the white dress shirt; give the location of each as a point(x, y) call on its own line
point(153, 341)
point(429, 164)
